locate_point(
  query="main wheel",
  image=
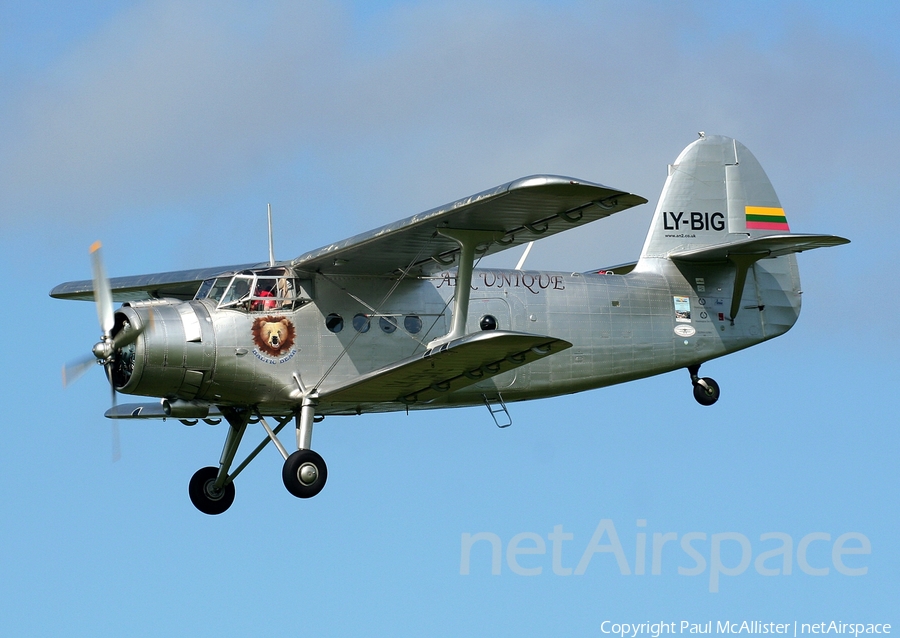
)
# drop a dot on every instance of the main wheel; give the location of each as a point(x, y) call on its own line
point(203, 494)
point(304, 473)
point(706, 395)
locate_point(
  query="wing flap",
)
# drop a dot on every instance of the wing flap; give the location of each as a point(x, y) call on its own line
point(521, 211)
point(444, 369)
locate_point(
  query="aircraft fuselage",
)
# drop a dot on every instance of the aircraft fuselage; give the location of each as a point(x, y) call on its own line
point(622, 327)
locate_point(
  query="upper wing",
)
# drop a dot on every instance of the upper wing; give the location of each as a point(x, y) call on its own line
point(523, 210)
point(180, 284)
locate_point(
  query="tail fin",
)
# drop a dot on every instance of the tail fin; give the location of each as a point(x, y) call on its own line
point(716, 193)
point(718, 206)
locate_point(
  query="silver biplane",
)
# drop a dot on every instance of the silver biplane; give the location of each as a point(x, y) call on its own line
point(400, 318)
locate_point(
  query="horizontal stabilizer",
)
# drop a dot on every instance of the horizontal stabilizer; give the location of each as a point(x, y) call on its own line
point(444, 369)
point(746, 252)
point(760, 247)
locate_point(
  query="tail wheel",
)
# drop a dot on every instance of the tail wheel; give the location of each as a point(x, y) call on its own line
point(304, 473)
point(706, 391)
point(205, 496)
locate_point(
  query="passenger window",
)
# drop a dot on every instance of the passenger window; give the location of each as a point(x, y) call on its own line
point(361, 323)
point(413, 324)
point(334, 322)
point(488, 322)
point(387, 325)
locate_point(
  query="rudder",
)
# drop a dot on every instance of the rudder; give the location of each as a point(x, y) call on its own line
point(716, 193)
point(719, 208)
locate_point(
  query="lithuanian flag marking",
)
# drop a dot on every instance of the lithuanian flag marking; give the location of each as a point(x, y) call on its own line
point(765, 218)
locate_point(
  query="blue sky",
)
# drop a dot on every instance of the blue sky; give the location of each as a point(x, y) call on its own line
point(164, 129)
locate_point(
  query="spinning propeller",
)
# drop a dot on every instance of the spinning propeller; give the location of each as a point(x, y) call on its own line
point(105, 351)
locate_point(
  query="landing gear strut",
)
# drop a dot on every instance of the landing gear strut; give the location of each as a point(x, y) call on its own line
point(706, 390)
point(304, 472)
point(211, 488)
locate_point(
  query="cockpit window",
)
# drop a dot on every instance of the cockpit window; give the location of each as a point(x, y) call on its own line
point(217, 289)
point(204, 288)
point(238, 291)
point(272, 289)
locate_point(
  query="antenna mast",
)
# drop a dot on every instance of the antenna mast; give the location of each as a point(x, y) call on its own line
point(271, 242)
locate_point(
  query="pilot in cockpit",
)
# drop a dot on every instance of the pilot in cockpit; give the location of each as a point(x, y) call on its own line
point(265, 297)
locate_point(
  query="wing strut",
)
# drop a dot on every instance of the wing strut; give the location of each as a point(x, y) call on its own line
point(468, 241)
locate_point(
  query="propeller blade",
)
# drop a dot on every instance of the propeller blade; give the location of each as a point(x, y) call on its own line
point(112, 385)
point(105, 350)
point(102, 291)
point(73, 370)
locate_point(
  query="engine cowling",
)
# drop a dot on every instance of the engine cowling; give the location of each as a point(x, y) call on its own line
point(174, 357)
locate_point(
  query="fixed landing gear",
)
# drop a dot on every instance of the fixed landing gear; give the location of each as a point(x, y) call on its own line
point(204, 494)
point(304, 473)
point(211, 488)
point(706, 390)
